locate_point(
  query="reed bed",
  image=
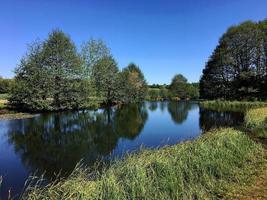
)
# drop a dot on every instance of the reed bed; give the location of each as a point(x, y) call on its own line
point(238, 106)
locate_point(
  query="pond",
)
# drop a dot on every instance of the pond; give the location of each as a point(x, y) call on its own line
point(54, 143)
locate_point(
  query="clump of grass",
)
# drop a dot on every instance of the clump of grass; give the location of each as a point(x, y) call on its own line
point(238, 106)
point(256, 120)
point(206, 168)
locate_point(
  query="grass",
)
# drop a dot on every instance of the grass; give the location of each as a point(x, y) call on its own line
point(239, 106)
point(10, 116)
point(256, 120)
point(2, 105)
point(207, 168)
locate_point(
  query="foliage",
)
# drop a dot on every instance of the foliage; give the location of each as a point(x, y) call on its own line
point(53, 76)
point(5, 85)
point(237, 69)
point(133, 86)
point(92, 52)
point(178, 89)
point(105, 79)
point(207, 168)
point(49, 76)
point(179, 86)
point(4, 96)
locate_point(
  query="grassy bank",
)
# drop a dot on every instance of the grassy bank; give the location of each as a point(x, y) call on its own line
point(232, 105)
point(207, 168)
point(256, 121)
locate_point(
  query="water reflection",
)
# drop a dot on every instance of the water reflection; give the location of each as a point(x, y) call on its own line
point(210, 119)
point(179, 111)
point(55, 142)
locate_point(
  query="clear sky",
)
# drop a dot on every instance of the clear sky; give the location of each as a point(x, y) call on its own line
point(163, 37)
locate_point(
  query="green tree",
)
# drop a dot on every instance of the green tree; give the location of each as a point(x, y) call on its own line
point(65, 72)
point(105, 79)
point(31, 88)
point(179, 86)
point(133, 86)
point(49, 76)
point(237, 68)
point(91, 52)
point(6, 85)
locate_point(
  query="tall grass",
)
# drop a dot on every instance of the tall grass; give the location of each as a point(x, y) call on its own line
point(206, 168)
point(239, 106)
point(256, 120)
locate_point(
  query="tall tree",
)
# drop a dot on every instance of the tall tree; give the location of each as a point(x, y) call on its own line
point(49, 76)
point(237, 68)
point(65, 72)
point(133, 86)
point(179, 86)
point(105, 79)
point(92, 52)
point(31, 88)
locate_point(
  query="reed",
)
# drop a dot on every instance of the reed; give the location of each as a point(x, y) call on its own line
point(238, 106)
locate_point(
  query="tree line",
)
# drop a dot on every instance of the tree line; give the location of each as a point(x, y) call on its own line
point(53, 75)
point(237, 69)
point(179, 88)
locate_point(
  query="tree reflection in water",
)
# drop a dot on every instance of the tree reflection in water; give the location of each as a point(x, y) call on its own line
point(55, 142)
point(210, 119)
point(179, 110)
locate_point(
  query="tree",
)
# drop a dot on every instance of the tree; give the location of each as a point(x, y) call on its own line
point(91, 52)
point(133, 86)
point(237, 68)
point(179, 86)
point(49, 76)
point(5, 85)
point(65, 72)
point(105, 79)
point(31, 88)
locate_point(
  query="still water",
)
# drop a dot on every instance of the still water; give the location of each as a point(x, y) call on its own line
point(55, 142)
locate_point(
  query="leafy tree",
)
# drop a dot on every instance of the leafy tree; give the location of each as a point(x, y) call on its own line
point(133, 86)
point(31, 88)
point(49, 76)
point(237, 68)
point(5, 85)
point(65, 72)
point(91, 52)
point(179, 86)
point(105, 79)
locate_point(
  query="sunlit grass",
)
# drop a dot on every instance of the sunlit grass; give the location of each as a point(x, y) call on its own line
point(256, 120)
point(240, 106)
point(207, 168)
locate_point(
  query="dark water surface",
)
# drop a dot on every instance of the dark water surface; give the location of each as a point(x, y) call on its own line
point(56, 142)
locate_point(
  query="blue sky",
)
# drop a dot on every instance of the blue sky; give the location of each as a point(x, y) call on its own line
point(163, 37)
